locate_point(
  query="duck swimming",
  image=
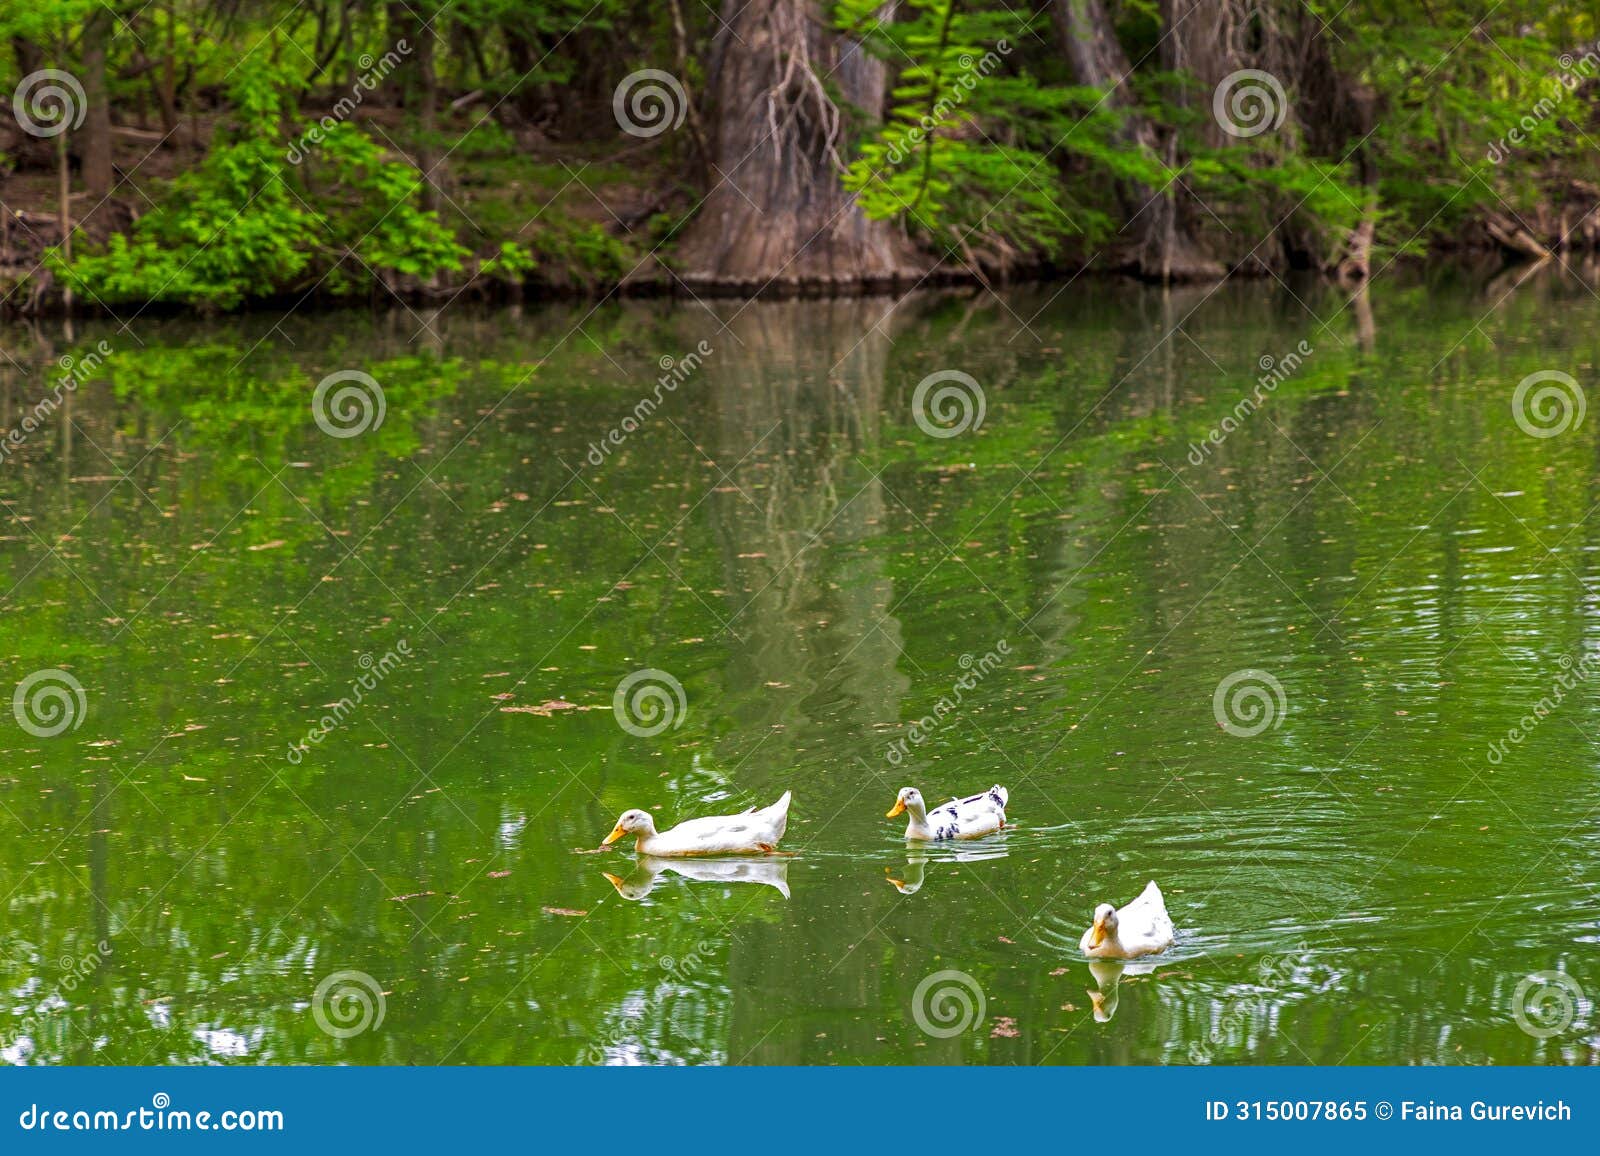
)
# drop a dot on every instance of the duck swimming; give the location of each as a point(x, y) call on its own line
point(1142, 927)
point(755, 832)
point(958, 819)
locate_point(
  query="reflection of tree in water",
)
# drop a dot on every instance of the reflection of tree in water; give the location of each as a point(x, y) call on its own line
point(799, 396)
point(798, 390)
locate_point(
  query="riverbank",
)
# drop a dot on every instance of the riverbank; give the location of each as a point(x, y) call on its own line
point(531, 217)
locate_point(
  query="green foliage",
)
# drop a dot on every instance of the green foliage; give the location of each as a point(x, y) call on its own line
point(247, 219)
point(1424, 114)
point(512, 263)
point(935, 161)
point(1472, 116)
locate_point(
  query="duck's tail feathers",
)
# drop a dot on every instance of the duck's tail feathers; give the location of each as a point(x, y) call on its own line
point(779, 813)
point(1000, 794)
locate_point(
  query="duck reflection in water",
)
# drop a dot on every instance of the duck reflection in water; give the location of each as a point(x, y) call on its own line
point(647, 873)
point(908, 880)
point(1108, 974)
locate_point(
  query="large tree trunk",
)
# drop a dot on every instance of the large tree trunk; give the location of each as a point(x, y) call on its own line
point(97, 125)
point(777, 216)
point(428, 113)
point(1163, 248)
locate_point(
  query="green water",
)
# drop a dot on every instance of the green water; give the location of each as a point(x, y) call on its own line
point(1359, 882)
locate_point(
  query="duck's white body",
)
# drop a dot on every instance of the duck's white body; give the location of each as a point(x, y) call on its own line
point(773, 871)
point(1142, 927)
point(966, 818)
point(756, 832)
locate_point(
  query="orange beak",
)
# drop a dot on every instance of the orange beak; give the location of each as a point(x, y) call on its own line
point(1098, 933)
point(616, 833)
point(899, 806)
point(615, 880)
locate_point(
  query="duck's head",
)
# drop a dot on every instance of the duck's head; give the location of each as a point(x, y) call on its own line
point(911, 884)
point(1105, 924)
point(910, 799)
point(634, 888)
point(631, 823)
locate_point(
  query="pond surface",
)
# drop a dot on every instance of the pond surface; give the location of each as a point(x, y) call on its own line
point(1368, 841)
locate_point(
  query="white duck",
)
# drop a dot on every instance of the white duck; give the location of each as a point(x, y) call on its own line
point(772, 871)
point(958, 819)
point(1142, 927)
point(757, 831)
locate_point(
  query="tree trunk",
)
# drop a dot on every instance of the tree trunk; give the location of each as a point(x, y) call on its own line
point(169, 81)
point(1091, 47)
point(1173, 249)
point(64, 213)
point(97, 123)
point(428, 113)
point(777, 216)
point(1164, 249)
